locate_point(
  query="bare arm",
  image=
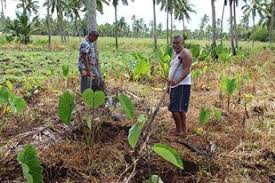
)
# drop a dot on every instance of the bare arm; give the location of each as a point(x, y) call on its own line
point(186, 60)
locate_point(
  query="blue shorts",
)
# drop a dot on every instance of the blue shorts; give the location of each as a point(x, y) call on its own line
point(179, 98)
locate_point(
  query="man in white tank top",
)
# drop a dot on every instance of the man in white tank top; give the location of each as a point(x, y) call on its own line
point(180, 84)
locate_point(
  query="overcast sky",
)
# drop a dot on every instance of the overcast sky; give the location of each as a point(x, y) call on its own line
point(144, 9)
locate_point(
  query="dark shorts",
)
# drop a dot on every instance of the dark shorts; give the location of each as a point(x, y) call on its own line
point(87, 82)
point(179, 98)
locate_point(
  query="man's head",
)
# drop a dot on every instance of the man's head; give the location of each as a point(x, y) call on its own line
point(93, 35)
point(177, 43)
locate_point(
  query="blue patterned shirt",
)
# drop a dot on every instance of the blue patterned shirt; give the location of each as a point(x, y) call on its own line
point(88, 47)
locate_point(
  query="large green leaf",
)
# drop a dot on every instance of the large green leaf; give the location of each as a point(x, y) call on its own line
point(4, 96)
point(169, 154)
point(18, 104)
point(65, 70)
point(65, 107)
point(93, 99)
point(127, 106)
point(142, 68)
point(135, 131)
point(204, 115)
point(154, 179)
point(218, 115)
point(31, 166)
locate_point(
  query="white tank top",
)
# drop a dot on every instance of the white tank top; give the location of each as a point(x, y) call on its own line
point(173, 67)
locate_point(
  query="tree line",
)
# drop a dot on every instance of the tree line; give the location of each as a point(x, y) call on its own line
point(69, 22)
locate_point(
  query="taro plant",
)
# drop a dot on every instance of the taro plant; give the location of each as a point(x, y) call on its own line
point(9, 103)
point(204, 116)
point(164, 151)
point(139, 66)
point(65, 74)
point(164, 58)
point(30, 164)
point(92, 99)
point(229, 86)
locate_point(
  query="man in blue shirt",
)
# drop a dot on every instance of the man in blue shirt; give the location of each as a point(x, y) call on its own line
point(88, 64)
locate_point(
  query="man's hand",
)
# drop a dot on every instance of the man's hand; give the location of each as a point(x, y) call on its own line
point(87, 73)
point(173, 82)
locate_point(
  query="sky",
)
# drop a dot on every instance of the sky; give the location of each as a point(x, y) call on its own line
point(144, 9)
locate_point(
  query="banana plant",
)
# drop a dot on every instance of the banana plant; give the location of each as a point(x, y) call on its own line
point(166, 152)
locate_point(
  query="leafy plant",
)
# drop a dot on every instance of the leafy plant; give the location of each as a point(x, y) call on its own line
point(135, 131)
point(204, 115)
point(168, 154)
point(9, 102)
point(65, 107)
point(31, 166)
point(92, 99)
point(65, 71)
point(127, 106)
point(218, 114)
point(229, 86)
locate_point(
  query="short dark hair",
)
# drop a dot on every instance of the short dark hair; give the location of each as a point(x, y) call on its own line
point(93, 33)
point(180, 37)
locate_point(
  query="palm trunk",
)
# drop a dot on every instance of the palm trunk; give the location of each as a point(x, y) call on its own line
point(254, 29)
point(183, 26)
point(222, 23)
point(231, 31)
point(214, 34)
point(167, 27)
point(2, 11)
point(155, 25)
point(271, 29)
point(116, 26)
point(91, 12)
point(48, 25)
point(171, 31)
point(235, 25)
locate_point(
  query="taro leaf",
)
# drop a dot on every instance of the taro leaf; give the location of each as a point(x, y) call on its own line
point(142, 68)
point(93, 99)
point(4, 96)
point(127, 106)
point(135, 131)
point(218, 115)
point(154, 179)
point(18, 104)
point(169, 154)
point(65, 107)
point(31, 166)
point(204, 115)
point(65, 70)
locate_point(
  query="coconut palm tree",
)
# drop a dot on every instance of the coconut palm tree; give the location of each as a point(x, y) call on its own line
point(154, 25)
point(170, 6)
point(29, 6)
point(183, 13)
point(272, 23)
point(224, 4)
point(3, 4)
point(115, 4)
point(214, 27)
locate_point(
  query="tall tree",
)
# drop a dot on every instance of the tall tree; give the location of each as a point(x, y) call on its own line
point(203, 25)
point(28, 6)
point(272, 23)
point(3, 4)
point(223, 8)
point(48, 18)
point(115, 4)
point(214, 27)
point(233, 48)
point(183, 13)
point(155, 25)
